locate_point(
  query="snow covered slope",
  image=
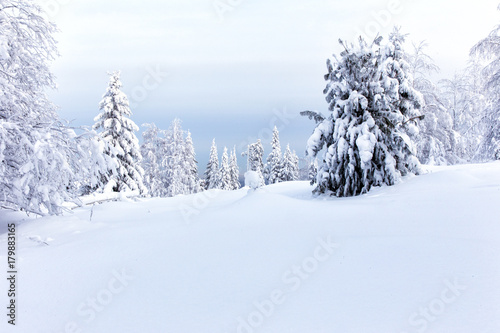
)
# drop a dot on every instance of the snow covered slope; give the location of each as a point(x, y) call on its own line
point(422, 256)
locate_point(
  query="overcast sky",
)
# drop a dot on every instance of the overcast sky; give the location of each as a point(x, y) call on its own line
point(230, 69)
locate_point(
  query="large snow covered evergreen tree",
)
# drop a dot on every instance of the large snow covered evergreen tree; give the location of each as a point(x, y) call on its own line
point(212, 178)
point(118, 132)
point(274, 165)
point(372, 106)
point(38, 155)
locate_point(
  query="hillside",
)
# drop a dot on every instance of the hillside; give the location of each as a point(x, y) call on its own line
point(419, 256)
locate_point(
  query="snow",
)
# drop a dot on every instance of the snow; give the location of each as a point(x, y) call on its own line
point(423, 252)
point(252, 179)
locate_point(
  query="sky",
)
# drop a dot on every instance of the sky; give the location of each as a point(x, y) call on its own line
point(234, 69)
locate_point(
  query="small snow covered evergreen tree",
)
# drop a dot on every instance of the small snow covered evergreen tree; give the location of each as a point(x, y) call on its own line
point(274, 165)
point(254, 159)
point(234, 171)
point(373, 104)
point(175, 174)
point(118, 132)
point(212, 173)
point(169, 161)
point(151, 157)
point(295, 166)
point(191, 165)
point(313, 170)
point(290, 165)
point(225, 172)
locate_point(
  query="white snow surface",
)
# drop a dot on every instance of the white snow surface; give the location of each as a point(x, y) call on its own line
point(418, 256)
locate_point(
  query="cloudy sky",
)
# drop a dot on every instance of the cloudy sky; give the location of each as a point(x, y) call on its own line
point(231, 69)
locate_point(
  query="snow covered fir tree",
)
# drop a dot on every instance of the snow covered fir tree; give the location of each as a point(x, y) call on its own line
point(274, 167)
point(373, 107)
point(225, 172)
point(290, 166)
point(117, 131)
point(234, 171)
point(254, 153)
point(212, 173)
point(169, 161)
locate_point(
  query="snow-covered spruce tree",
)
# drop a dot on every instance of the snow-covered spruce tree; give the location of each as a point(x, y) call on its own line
point(372, 104)
point(191, 165)
point(234, 171)
point(274, 163)
point(175, 173)
point(212, 173)
point(118, 132)
point(255, 162)
point(290, 166)
point(295, 166)
point(488, 49)
point(151, 151)
point(224, 172)
point(37, 152)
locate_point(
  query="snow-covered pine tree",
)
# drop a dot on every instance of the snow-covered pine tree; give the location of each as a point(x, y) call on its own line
point(255, 163)
point(234, 171)
point(212, 172)
point(295, 166)
point(38, 155)
point(488, 49)
point(151, 151)
point(175, 174)
point(191, 165)
point(118, 132)
point(224, 172)
point(274, 165)
point(372, 104)
point(289, 168)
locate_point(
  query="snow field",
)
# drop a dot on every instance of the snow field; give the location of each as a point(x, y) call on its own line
point(421, 256)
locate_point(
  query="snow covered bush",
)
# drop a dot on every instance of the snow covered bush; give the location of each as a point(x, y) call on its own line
point(253, 179)
point(366, 137)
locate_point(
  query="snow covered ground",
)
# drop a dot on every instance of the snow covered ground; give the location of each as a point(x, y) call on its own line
point(422, 256)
